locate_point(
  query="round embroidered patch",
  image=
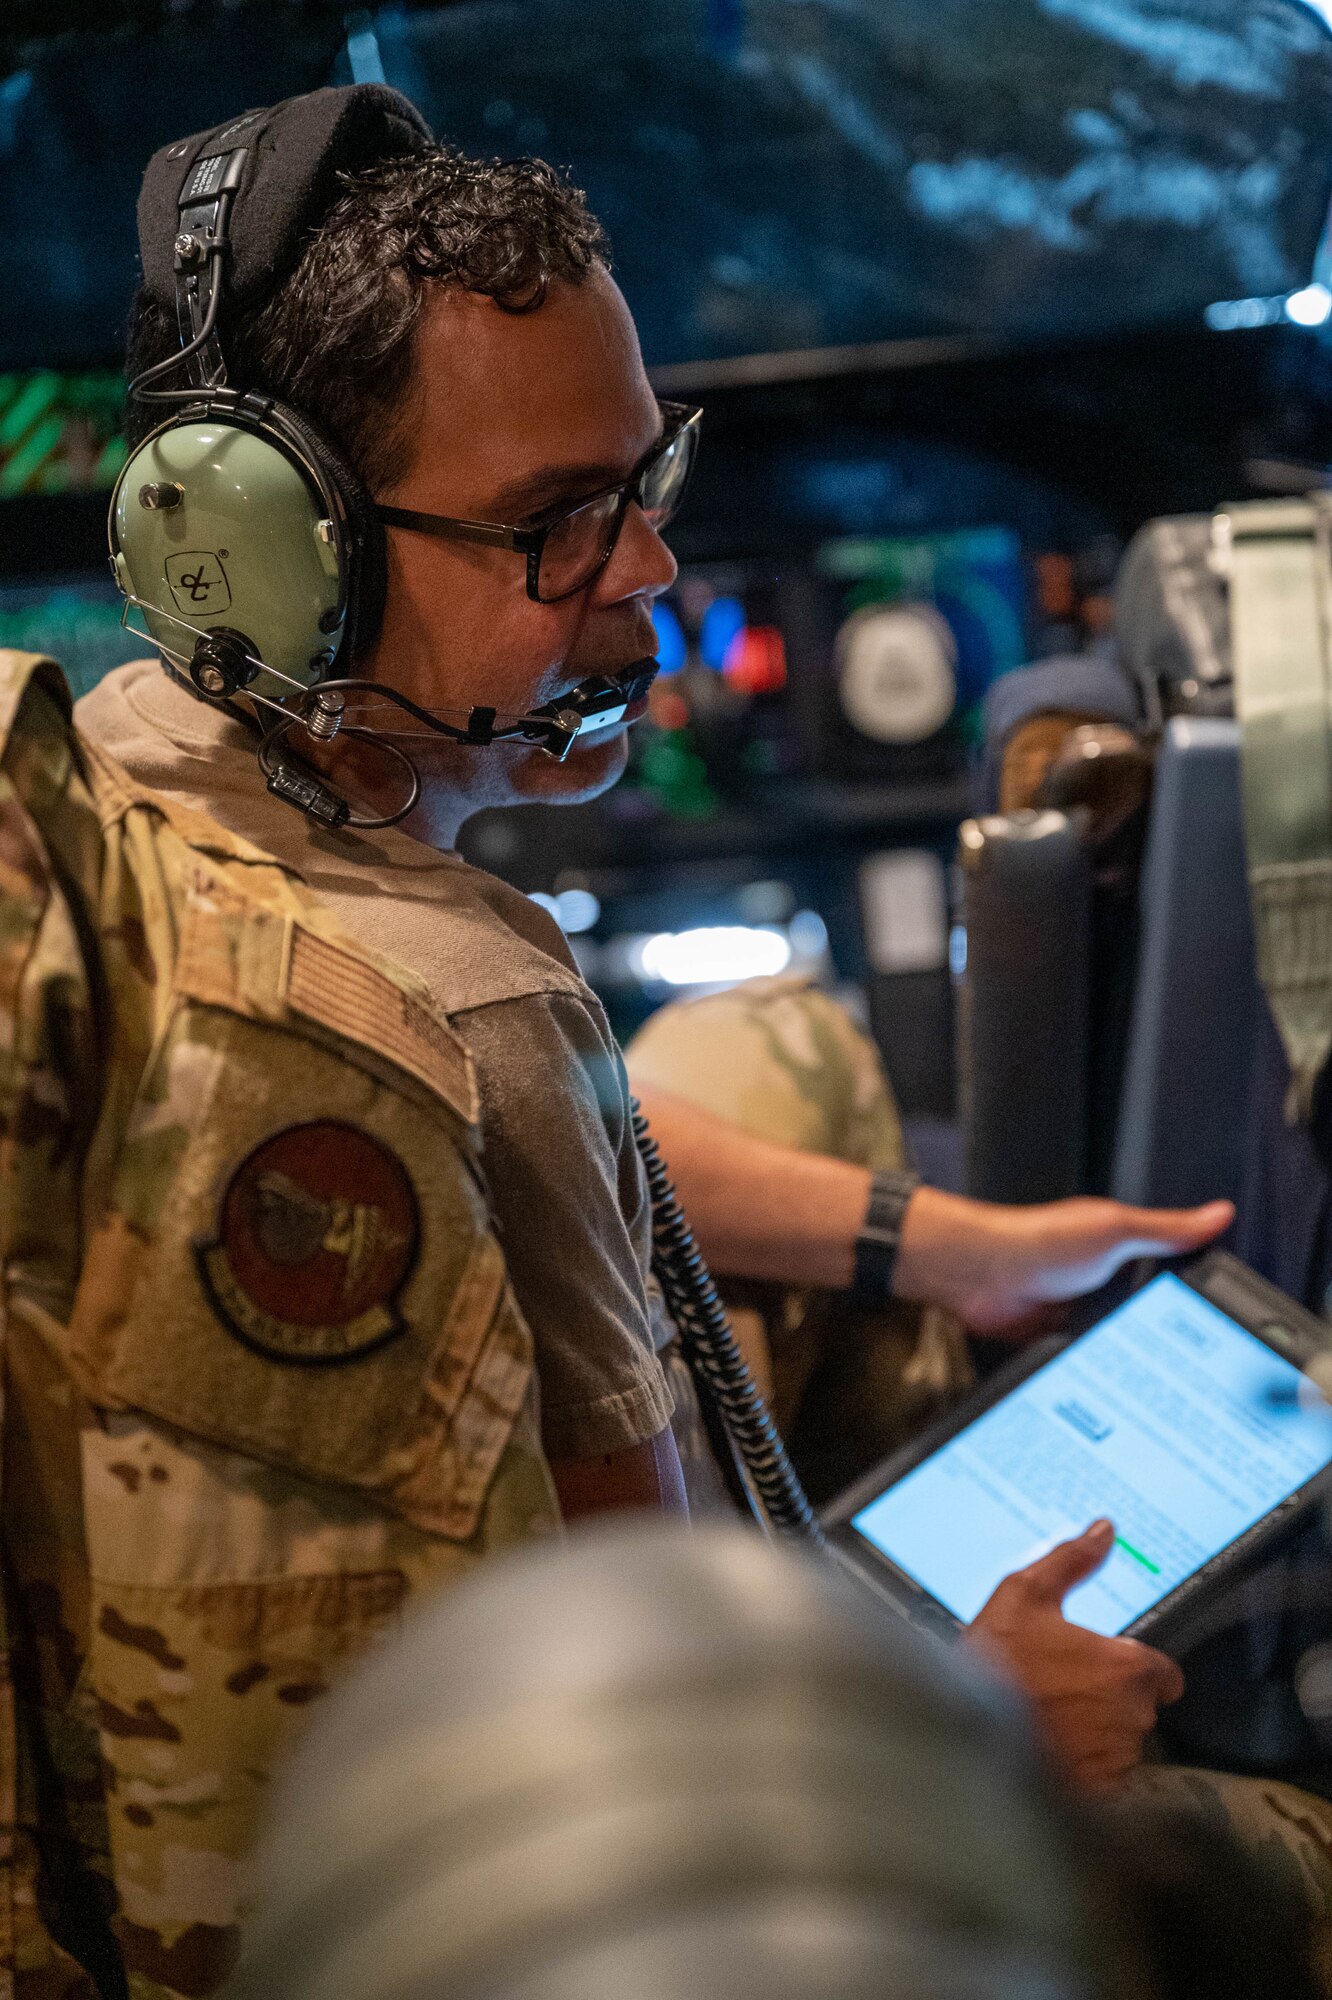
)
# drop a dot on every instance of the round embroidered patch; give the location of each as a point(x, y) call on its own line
point(316, 1236)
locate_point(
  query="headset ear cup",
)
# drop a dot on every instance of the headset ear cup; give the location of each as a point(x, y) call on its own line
point(367, 567)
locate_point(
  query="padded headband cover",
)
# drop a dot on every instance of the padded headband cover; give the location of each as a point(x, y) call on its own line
point(296, 151)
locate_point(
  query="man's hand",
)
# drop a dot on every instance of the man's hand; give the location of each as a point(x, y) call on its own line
point(997, 1267)
point(1096, 1698)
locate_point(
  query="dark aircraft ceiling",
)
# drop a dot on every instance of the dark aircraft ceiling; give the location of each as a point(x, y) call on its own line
point(776, 175)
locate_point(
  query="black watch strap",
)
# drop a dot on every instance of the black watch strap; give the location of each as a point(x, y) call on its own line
point(881, 1234)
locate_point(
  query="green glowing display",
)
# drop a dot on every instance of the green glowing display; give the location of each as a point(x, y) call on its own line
point(60, 433)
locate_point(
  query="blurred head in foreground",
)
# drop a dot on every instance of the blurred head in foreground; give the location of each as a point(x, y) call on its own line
point(664, 1765)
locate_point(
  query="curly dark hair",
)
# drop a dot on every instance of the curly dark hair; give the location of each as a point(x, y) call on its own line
point(336, 337)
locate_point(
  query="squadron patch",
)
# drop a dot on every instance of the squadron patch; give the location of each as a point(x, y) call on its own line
point(317, 1233)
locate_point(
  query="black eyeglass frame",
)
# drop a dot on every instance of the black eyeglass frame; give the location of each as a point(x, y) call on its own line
point(530, 542)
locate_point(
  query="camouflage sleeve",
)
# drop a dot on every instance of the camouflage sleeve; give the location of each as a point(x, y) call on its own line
point(780, 1058)
point(1285, 1828)
point(54, 1079)
point(50, 1091)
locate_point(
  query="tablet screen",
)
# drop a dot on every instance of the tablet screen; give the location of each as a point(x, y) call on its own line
point(1168, 1418)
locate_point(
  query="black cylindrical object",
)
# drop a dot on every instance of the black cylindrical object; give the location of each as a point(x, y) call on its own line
point(1023, 1019)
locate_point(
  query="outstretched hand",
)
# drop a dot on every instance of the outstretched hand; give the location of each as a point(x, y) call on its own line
point(999, 1268)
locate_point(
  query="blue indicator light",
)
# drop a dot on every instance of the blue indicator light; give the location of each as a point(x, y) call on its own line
point(671, 647)
point(723, 619)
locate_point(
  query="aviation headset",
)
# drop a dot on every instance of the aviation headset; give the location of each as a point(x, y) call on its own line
point(243, 536)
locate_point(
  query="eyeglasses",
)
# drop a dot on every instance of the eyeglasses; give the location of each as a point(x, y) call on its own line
point(569, 547)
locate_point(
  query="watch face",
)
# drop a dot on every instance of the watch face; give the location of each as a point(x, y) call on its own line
point(896, 672)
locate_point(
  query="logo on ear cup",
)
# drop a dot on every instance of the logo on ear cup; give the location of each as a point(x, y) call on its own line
point(198, 583)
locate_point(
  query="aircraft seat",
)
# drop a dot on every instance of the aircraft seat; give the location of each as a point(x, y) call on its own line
point(1183, 1125)
point(1024, 1006)
point(1063, 1094)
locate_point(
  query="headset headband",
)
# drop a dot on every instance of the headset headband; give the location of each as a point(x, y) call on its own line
point(285, 180)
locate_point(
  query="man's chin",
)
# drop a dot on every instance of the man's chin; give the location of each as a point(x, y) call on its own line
point(590, 769)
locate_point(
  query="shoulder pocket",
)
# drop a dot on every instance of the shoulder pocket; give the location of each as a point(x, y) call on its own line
point(296, 1261)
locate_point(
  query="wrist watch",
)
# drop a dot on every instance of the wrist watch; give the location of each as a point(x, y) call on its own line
point(881, 1234)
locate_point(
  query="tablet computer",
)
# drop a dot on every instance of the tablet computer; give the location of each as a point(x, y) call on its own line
point(1187, 1416)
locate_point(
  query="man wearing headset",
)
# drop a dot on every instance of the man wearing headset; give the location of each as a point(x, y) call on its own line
point(453, 327)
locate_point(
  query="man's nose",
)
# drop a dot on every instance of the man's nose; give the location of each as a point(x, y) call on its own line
point(641, 565)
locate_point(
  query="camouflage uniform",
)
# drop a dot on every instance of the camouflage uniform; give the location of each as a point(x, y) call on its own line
point(848, 1383)
point(264, 1378)
point(785, 1062)
point(1289, 1830)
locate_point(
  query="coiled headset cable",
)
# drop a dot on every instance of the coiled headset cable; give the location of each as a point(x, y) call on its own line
point(739, 1421)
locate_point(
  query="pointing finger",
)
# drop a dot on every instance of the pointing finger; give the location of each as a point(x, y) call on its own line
point(1069, 1563)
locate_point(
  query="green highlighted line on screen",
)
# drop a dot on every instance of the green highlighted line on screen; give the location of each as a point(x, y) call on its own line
point(1137, 1555)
